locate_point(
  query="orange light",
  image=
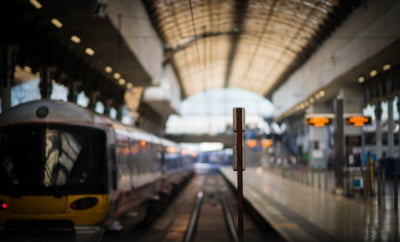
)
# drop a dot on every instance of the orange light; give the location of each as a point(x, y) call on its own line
point(143, 143)
point(171, 149)
point(318, 121)
point(358, 120)
point(266, 143)
point(251, 143)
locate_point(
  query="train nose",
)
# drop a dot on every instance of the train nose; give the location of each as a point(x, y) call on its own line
point(38, 205)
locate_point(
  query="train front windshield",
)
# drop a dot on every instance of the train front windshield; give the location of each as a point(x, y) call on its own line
point(52, 159)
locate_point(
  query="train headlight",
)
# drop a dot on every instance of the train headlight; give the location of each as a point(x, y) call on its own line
point(3, 205)
point(42, 112)
point(84, 203)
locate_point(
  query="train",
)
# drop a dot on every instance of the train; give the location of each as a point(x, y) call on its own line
point(63, 166)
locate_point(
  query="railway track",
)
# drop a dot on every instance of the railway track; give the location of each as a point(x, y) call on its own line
point(205, 210)
point(211, 203)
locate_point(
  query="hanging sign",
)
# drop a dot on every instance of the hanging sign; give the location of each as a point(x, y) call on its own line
point(319, 120)
point(358, 120)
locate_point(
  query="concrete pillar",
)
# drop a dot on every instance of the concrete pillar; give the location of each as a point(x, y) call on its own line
point(390, 133)
point(8, 55)
point(107, 107)
point(398, 110)
point(45, 85)
point(349, 101)
point(73, 91)
point(120, 113)
point(318, 138)
point(378, 133)
point(93, 97)
point(339, 146)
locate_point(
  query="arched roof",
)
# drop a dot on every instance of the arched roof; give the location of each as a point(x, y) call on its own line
point(253, 45)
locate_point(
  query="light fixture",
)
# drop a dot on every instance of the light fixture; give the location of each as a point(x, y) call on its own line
point(56, 23)
point(75, 39)
point(121, 81)
point(89, 51)
point(27, 69)
point(108, 69)
point(129, 85)
point(36, 4)
point(361, 79)
point(117, 75)
point(373, 73)
point(386, 67)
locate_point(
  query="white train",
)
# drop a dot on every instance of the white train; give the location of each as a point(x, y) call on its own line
point(63, 166)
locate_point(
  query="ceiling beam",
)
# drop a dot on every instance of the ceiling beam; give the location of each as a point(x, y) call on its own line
point(238, 20)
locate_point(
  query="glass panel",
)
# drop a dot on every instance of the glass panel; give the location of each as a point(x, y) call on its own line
point(39, 159)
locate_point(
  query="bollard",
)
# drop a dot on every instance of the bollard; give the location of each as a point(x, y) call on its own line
point(319, 172)
point(371, 175)
point(312, 178)
point(366, 183)
point(395, 193)
point(379, 198)
point(383, 188)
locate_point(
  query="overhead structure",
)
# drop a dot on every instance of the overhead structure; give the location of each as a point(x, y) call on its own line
point(253, 45)
point(77, 40)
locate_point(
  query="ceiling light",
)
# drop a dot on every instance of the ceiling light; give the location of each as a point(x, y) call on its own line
point(361, 79)
point(117, 75)
point(89, 51)
point(121, 81)
point(36, 4)
point(129, 85)
point(27, 69)
point(386, 67)
point(373, 73)
point(56, 23)
point(108, 69)
point(75, 39)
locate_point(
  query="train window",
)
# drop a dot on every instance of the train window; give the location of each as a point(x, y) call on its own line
point(62, 150)
point(43, 159)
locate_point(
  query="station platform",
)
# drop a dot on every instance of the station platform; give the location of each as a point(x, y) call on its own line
point(303, 213)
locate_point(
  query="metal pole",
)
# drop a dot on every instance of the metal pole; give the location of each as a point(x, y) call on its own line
point(239, 139)
point(390, 132)
point(371, 175)
point(339, 147)
point(378, 115)
point(395, 193)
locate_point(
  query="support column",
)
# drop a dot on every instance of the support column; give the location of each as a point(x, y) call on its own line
point(339, 146)
point(8, 55)
point(45, 85)
point(107, 107)
point(119, 113)
point(93, 96)
point(318, 138)
point(378, 133)
point(73, 91)
point(398, 110)
point(390, 133)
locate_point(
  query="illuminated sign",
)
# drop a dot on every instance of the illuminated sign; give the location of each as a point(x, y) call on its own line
point(251, 143)
point(266, 143)
point(358, 120)
point(319, 121)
